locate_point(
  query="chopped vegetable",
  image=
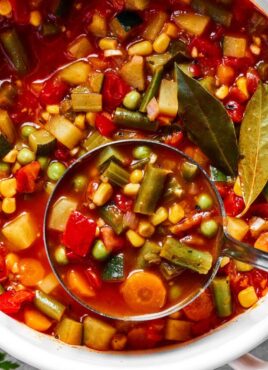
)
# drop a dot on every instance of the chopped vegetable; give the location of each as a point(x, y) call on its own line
point(152, 89)
point(222, 296)
point(61, 212)
point(26, 177)
point(178, 330)
point(168, 98)
point(12, 301)
point(49, 306)
point(114, 269)
point(116, 174)
point(149, 254)
point(37, 321)
point(195, 24)
point(113, 217)
point(75, 73)
point(133, 73)
point(234, 46)
point(42, 142)
point(134, 120)
point(69, 331)
point(97, 334)
point(77, 282)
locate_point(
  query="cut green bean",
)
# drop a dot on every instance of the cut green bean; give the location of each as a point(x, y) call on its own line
point(149, 254)
point(180, 254)
point(189, 171)
point(49, 306)
point(69, 331)
point(15, 50)
point(94, 140)
point(108, 154)
point(135, 120)
point(151, 190)
point(222, 296)
point(113, 217)
point(117, 175)
point(152, 89)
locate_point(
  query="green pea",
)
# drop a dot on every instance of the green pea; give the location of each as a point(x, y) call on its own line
point(55, 171)
point(99, 251)
point(60, 255)
point(79, 182)
point(4, 168)
point(44, 162)
point(189, 171)
point(204, 201)
point(209, 228)
point(174, 292)
point(142, 152)
point(49, 187)
point(27, 130)
point(132, 100)
point(25, 156)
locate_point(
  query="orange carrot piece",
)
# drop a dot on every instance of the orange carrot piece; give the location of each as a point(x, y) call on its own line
point(77, 282)
point(31, 271)
point(36, 320)
point(201, 308)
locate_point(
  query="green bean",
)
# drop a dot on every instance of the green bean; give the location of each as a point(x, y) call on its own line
point(69, 331)
point(151, 190)
point(173, 190)
point(48, 305)
point(152, 89)
point(149, 254)
point(180, 254)
point(117, 175)
point(222, 296)
point(135, 120)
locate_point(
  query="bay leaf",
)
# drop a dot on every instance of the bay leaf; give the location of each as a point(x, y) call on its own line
point(208, 123)
point(253, 144)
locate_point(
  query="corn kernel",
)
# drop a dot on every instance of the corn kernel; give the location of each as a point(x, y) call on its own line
point(103, 194)
point(194, 53)
point(131, 189)
point(108, 43)
point(243, 86)
point(12, 260)
point(35, 18)
point(146, 229)
point(53, 109)
point(5, 7)
point(161, 43)
point(80, 121)
point(175, 213)
point(98, 26)
point(142, 48)
point(8, 187)
point(11, 156)
point(91, 118)
point(171, 30)
point(136, 176)
point(159, 216)
point(237, 187)
point(257, 40)
point(45, 116)
point(224, 261)
point(135, 239)
point(255, 49)
point(222, 92)
point(9, 205)
point(247, 297)
point(243, 267)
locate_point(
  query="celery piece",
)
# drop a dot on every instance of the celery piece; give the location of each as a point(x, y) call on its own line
point(94, 140)
point(108, 154)
point(173, 190)
point(116, 174)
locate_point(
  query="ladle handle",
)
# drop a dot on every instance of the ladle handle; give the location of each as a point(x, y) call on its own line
point(245, 253)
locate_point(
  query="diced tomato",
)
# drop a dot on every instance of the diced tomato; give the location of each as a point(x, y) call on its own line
point(174, 139)
point(201, 327)
point(218, 33)
point(12, 301)
point(145, 336)
point(223, 189)
point(235, 110)
point(26, 177)
point(201, 308)
point(21, 11)
point(124, 203)
point(104, 125)
point(79, 233)
point(253, 80)
point(233, 204)
point(114, 90)
point(237, 95)
point(53, 91)
point(93, 277)
point(211, 54)
point(239, 64)
point(112, 241)
point(3, 268)
point(62, 153)
point(195, 70)
point(260, 210)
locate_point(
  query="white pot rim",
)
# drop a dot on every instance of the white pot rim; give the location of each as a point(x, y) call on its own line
point(221, 346)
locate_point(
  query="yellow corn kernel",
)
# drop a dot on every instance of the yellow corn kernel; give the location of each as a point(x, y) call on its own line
point(175, 213)
point(247, 297)
point(12, 260)
point(103, 194)
point(135, 239)
point(142, 48)
point(146, 229)
point(161, 43)
point(98, 26)
point(257, 40)
point(237, 228)
point(242, 85)
point(5, 7)
point(108, 43)
point(80, 121)
point(8, 187)
point(11, 157)
point(136, 176)
point(131, 189)
point(16, 167)
point(222, 92)
point(53, 109)
point(45, 116)
point(224, 261)
point(9, 205)
point(159, 216)
point(119, 342)
point(91, 118)
point(194, 53)
point(237, 187)
point(255, 49)
point(171, 30)
point(243, 267)
point(35, 18)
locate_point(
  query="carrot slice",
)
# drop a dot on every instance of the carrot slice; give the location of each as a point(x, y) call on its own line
point(77, 282)
point(201, 308)
point(31, 271)
point(144, 292)
point(36, 320)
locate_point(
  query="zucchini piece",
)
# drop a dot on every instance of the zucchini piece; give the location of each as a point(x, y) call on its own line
point(114, 269)
point(137, 4)
point(75, 73)
point(155, 25)
point(129, 19)
point(222, 296)
point(179, 254)
point(170, 271)
point(116, 174)
point(60, 213)
point(64, 131)
point(217, 12)
point(149, 254)
point(234, 46)
point(168, 98)
point(97, 334)
point(21, 232)
point(152, 89)
point(69, 331)
point(113, 217)
point(80, 48)
point(133, 73)
point(135, 120)
point(86, 102)
point(42, 142)
point(110, 154)
point(178, 330)
point(194, 24)
point(94, 140)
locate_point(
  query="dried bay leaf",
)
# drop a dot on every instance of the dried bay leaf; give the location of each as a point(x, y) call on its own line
point(208, 123)
point(253, 144)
